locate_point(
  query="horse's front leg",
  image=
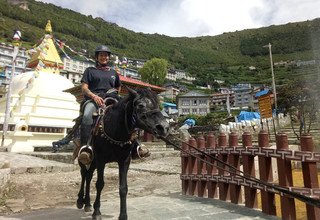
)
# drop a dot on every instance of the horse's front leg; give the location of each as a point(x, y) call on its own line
point(123, 187)
point(80, 201)
point(87, 207)
point(99, 186)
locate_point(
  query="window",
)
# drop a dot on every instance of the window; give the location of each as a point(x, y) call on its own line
point(203, 111)
point(194, 111)
point(202, 102)
point(185, 111)
point(194, 102)
point(185, 102)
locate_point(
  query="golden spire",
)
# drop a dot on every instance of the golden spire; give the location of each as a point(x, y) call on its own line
point(48, 27)
point(46, 56)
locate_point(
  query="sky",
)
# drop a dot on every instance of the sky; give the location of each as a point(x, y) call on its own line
point(192, 18)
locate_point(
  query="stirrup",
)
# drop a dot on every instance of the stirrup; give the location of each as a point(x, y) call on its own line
point(85, 155)
point(144, 155)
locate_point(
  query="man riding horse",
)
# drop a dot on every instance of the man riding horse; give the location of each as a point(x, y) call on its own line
point(95, 84)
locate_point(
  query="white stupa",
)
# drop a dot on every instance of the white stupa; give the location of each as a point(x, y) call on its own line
point(40, 112)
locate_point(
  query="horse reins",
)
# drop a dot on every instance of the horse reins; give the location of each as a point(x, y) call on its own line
point(236, 172)
point(100, 125)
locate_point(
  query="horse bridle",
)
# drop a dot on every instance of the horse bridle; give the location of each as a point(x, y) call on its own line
point(136, 116)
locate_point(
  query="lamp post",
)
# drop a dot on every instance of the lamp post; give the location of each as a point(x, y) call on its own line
point(273, 82)
point(16, 44)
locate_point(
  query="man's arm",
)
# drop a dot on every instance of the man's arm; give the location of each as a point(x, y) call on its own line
point(86, 91)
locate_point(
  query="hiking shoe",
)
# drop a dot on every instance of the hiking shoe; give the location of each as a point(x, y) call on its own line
point(85, 155)
point(76, 148)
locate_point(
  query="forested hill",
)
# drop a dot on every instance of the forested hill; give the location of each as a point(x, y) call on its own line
point(201, 56)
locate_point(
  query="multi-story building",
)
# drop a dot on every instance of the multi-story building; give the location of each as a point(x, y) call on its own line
point(193, 102)
point(6, 56)
point(244, 96)
point(73, 69)
point(171, 75)
point(170, 93)
point(221, 99)
point(136, 63)
point(131, 73)
point(175, 74)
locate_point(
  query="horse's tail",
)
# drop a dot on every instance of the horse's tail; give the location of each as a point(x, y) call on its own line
point(70, 135)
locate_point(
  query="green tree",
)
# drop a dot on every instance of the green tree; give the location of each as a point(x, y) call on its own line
point(299, 99)
point(154, 71)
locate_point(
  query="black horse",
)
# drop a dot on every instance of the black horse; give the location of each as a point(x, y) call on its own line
point(112, 143)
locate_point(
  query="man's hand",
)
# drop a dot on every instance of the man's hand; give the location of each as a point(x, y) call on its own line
point(98, 100)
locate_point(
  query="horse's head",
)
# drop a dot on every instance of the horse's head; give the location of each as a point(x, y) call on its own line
point(147, 113)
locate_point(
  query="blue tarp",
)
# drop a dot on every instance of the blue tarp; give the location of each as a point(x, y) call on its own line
point(191, 122)
point(244, 115)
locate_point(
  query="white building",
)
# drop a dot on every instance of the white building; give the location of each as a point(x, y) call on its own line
point(73, 69)
point(6, 56)
point(175, 74)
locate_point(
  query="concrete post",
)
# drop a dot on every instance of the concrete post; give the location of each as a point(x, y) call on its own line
point(234, 160)
point(288, 210)
point(224, 192)
point(248, 168)
point(310, 175)
point(265, 171)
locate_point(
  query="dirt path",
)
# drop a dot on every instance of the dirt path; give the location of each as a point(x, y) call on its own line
point(43, 190)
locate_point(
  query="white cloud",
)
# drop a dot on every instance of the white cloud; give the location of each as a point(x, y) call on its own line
point(194, 17)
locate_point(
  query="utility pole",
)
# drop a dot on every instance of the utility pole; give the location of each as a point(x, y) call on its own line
point(16, 44)
point(273, 83)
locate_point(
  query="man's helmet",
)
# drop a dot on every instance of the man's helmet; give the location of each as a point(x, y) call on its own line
point(102, 48)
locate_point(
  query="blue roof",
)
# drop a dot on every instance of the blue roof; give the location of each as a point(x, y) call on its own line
point(262, 92)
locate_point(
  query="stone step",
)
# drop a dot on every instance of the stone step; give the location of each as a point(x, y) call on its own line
point(66, 157)
point(64, 148)
point(158, 146)
point(63, 157)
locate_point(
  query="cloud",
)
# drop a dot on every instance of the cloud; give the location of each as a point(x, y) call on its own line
point(194, 17)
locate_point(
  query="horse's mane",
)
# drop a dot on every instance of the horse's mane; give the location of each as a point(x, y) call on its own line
point(143, 92)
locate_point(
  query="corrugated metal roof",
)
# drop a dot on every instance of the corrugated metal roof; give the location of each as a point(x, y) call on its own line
point(263, 92)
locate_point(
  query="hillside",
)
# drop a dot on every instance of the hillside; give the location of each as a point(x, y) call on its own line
point(224, 57)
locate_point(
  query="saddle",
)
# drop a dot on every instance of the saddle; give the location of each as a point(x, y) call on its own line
point(111, 97)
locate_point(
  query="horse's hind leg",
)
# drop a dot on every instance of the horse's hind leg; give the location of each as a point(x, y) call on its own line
point(87, 207)
point(123, 188)
point(80, 201)
point(99, 186)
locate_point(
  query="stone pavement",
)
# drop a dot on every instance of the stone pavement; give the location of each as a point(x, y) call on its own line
point(158, 206)
point(173, 207)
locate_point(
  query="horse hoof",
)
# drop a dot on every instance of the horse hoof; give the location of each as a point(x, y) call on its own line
point(87, 208)
point(123, 217)
point(96, 217)
point(80, 205)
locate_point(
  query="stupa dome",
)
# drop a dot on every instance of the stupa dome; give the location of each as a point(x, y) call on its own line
point(41, 83)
